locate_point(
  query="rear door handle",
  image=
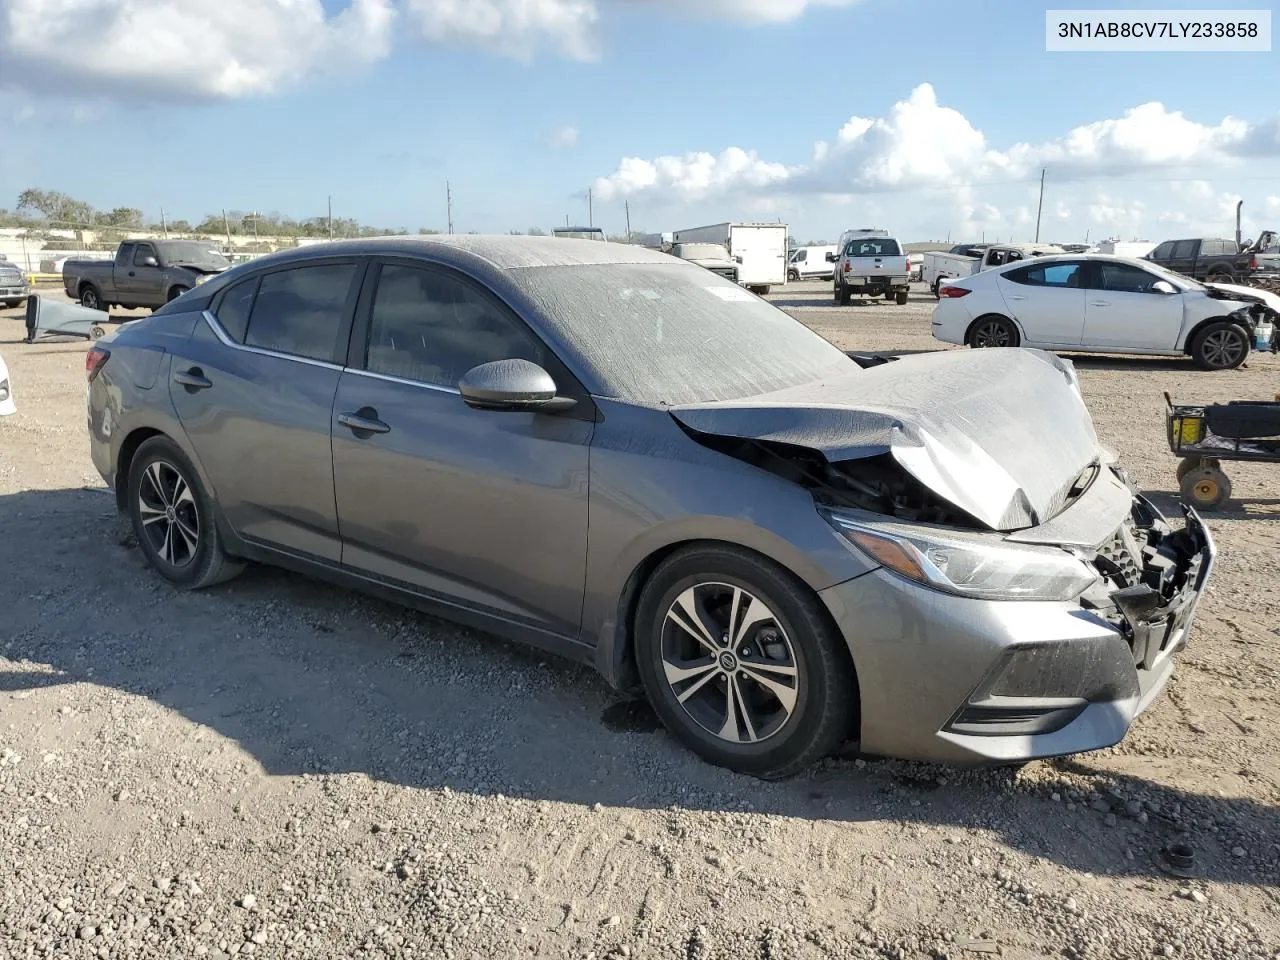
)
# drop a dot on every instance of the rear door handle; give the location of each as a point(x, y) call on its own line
point(193, 379)
point(364, 420)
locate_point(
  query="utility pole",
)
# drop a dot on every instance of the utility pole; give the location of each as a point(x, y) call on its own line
point(164, 226)
point(1040, 209)
point(627, 206)
point(226, 226)
point(331, 216)
point(448, 199)
point(591, 220)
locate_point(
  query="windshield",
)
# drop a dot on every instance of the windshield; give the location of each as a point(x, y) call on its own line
point(674, 334)
point(190, 253)
point(878, 247)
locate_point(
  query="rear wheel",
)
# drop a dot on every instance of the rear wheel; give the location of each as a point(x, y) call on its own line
point(91, 299)
point(173, 518)
point(1220, 275)
point(993, 332)
point(1206, 488)
point(1220, 346)
point(902, 298)
point(741, 664)
point(844, 295)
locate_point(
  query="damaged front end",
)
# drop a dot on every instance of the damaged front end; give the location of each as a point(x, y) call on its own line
point(1151, 577)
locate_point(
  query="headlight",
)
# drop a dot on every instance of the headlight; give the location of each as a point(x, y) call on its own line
point(201, 278)
point(971, 565)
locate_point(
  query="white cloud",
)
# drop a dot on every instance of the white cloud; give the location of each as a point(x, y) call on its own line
point(183, 49)
point(563, 138)
point(919, 143)
point(191, 49)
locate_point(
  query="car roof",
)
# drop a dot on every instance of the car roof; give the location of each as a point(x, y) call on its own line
point(499, 252)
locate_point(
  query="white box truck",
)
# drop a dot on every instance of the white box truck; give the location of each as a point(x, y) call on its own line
point(760, 250)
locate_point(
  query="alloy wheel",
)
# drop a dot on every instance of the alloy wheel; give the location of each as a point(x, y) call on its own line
point(729, 662)
point(170, 520)
point(1223, 348)
point(993, 333)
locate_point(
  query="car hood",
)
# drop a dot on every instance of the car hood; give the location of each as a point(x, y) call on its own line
point(713, 264)
point(1002, 434)
point(1245, 295)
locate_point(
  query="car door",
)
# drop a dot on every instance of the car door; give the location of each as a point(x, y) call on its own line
point(484, 510)
point(254, 389)
point(140, 283)
point(1162, 254)
point(1047, 300)
point(1123, 309)
point(1183, 257)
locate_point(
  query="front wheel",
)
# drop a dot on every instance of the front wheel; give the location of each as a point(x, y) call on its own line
point(1206, 488)
point(1221, 346)
point(993, 332)
point(741, 663)
point(176, 292)
point(173, 518)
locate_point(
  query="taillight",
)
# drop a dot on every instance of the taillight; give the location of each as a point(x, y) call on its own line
point(846, 266)
point(94, 361)
point(952, 292)
point(1253, 263)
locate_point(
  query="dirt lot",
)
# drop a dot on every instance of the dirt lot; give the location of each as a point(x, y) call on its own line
point(279, 768)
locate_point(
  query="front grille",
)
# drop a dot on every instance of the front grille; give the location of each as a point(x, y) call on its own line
point(727, 273)
point(1116, 559)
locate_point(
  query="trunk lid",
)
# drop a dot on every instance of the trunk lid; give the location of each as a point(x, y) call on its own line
point(1000, 434)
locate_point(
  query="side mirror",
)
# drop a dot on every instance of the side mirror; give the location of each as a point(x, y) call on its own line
point(510, 385)
point(831, 258)
point(150, 262)
point(1163, 286)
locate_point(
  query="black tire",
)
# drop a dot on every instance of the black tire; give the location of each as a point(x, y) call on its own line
point(151, 490)
point(1220, 276)
point(92, 299)
point(1205, 488)
point(844, 295)
point(97, 332)
point(12, 304)
point(1186, 465)
point(934, 288)
point(792, 276)
point(902, 298)
point(176, 292)
point(823, 688)
point(1221, 345)
point(992, 331)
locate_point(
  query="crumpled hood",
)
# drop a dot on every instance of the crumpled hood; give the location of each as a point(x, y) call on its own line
point(1002, 434)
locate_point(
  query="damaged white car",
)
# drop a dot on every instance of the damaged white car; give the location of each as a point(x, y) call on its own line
point(7, 406)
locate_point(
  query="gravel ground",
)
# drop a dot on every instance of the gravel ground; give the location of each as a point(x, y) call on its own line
point(278, 768)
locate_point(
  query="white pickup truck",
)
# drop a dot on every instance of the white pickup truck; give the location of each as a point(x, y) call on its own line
point(869, 263)
point(965, 261)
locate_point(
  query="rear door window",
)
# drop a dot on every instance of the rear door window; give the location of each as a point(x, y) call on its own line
point(1163, 252)
point(1066, 275)
point(303, 311)
point(234, 309)
point(1184, 250)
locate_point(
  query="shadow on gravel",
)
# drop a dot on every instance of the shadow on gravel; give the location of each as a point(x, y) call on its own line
point(310, 679)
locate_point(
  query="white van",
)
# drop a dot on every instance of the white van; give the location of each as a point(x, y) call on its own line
point(808, 263)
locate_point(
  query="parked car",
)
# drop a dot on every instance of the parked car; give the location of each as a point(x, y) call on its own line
point(709, 256)
point(7, 406)
point(759, 249)
point(13, 284)
point(871, 265)
point(1210, 258)
point(1268, 261)
point(811, 263)
point(784, 547)
point(144, 273)
point(1099, 304)
point(938, 268)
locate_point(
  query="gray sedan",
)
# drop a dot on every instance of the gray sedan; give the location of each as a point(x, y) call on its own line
point(620, 457)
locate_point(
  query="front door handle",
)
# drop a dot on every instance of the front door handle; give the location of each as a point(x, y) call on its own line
point(1099, 303)
point(1016, 297)
point(365, 420)
point(193, 379)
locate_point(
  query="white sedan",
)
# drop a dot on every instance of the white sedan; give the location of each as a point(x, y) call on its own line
point(1099, 304)
point(7, 407)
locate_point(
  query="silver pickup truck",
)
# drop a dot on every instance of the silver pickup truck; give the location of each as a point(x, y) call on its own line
point(870, 264)
point(13, 284)
point(144, 273)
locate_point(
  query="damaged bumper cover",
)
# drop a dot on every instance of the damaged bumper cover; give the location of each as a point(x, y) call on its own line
point(970, 681)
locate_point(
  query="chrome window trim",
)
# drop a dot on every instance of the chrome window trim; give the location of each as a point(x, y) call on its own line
point(226, 341)
point(406, 381)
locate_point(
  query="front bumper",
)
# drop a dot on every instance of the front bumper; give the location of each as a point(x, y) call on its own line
point(958, 680)
point(14, 291)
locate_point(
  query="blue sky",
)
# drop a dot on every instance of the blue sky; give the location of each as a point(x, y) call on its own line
point(196, 105)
